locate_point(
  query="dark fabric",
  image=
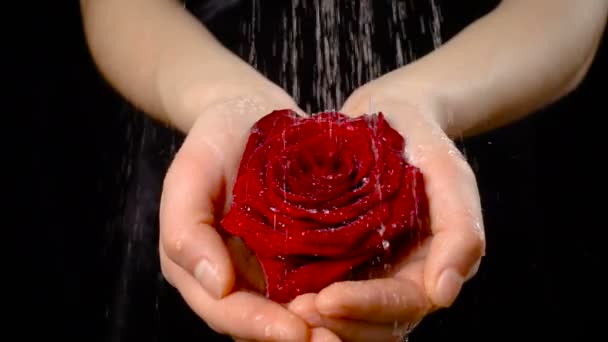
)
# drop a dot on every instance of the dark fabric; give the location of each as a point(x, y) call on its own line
point(86, 266)
point(270, 23)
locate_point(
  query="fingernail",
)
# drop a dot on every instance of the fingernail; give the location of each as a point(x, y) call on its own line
point(207, 275)
point(313, 319)
point(448, 286)
point(303, 307)
point(473, 270)
point(323, 335)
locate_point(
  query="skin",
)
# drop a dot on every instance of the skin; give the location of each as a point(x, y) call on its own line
point(522, 56)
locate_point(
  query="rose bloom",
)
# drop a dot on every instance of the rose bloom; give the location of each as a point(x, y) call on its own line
point(316, 197)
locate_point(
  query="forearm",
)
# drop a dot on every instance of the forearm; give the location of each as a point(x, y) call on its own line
point(522, 56)
point(159, 57)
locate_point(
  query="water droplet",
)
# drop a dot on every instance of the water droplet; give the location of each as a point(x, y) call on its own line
point(385, 244)
point(333, 77)
point(382, 229)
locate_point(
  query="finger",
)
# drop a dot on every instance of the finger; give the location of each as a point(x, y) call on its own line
point(243, 315)
point(304, 306)
point(377, 300)
point(455, 213)
point(187, 215)
point(458, 238)
point(348, 330)
point(362, 331)
point(402, 298)
point(323, 335)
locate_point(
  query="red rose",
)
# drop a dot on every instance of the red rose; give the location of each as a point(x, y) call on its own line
point(318, 196)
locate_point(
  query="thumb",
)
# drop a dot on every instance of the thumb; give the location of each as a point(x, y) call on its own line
point(458, 241)
point(187, 216)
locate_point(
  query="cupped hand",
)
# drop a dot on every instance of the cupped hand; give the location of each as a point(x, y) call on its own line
point(195, 257)
point(431, 276)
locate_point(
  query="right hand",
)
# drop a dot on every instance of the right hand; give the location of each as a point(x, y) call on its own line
point(194, 257)
point(430, 276)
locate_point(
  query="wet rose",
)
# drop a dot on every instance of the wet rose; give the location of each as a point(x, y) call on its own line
point(316, 197)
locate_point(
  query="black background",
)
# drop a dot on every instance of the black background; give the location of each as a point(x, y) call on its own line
point(539, 181)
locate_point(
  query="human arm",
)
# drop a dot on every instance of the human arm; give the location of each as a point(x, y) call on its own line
point(164, 61)
point(520, 57)
point(161, 59)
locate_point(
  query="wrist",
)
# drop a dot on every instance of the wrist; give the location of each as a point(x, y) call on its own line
point(398, 97)
point(187, 97)
point(249, 97)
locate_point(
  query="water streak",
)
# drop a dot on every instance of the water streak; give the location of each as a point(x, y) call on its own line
point(347, 44)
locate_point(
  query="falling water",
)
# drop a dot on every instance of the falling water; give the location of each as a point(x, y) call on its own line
point(324, 50)
point(352, 43)
point(150, 150)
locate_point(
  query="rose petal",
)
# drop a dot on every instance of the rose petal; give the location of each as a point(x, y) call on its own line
point(318, 196)
point(267, 126)
point(286, 281)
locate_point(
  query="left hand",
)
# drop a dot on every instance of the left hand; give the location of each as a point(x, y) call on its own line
point(432, 275)
point(206, 270)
